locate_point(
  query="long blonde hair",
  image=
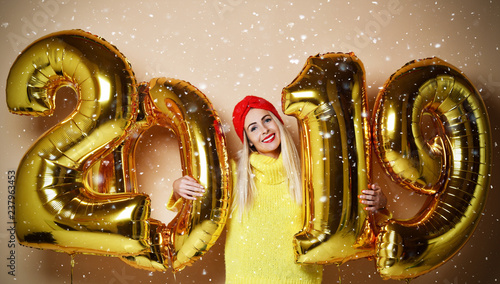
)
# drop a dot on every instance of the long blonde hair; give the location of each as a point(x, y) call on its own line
point(245, 186)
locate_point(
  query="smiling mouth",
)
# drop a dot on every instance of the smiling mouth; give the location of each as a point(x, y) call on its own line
point(269, 138)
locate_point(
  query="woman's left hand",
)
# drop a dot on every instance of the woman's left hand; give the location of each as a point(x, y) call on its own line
point(373, 198)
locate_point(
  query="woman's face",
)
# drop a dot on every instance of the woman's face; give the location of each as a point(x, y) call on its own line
point(263, 132)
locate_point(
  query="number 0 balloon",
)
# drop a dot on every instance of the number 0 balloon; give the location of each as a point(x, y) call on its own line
point(181, 107)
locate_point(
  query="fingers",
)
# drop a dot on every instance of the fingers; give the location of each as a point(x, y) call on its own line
point(371, 205)
point(188, 188)
point(368, 194)
point(189, 183)
point(371, 209)
point(371, 194)
point(373, 198)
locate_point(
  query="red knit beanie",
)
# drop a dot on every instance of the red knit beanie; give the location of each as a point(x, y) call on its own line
point(241, 109)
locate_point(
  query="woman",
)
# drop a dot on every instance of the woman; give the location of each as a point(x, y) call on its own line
point(266, 210)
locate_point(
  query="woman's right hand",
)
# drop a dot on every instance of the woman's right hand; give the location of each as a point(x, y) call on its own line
point(188, 188)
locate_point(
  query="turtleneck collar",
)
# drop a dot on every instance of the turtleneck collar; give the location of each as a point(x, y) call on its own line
point(267, 169)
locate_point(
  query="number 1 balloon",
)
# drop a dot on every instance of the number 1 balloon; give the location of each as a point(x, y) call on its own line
point(328, 98)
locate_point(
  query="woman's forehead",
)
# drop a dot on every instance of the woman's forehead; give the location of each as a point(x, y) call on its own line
point(255, 115)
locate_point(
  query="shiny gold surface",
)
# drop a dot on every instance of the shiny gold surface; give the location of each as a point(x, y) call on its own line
point(178, 105)
point(61, 205)
point(453, 168)
point(55, 208)
point(328, 98)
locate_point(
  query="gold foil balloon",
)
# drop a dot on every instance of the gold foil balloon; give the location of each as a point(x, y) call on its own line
point(452, 168)
point(328, 99)
point(179, 106)
point(77, 188)
point(117, 173)
point(55, 206)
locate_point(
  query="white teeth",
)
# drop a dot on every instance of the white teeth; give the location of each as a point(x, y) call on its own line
point(268, 138)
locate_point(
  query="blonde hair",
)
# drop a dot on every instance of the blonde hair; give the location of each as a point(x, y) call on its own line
point(244, 188)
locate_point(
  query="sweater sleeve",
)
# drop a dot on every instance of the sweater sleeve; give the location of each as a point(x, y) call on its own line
point(174, 205)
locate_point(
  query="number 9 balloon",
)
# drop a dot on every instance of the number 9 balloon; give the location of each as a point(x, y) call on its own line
point(453, 168)
point(55, 207)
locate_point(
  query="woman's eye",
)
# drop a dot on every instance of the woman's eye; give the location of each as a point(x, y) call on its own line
point(267, 120)
point(252, 129)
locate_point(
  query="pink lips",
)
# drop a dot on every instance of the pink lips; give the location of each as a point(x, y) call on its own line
point(270, 138)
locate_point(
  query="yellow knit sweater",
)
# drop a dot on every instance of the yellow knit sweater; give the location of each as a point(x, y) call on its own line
point(259, 247)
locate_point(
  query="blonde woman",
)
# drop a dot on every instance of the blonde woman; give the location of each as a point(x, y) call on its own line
point(266, 210)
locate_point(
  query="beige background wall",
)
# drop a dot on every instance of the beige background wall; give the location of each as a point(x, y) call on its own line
point(232, 48)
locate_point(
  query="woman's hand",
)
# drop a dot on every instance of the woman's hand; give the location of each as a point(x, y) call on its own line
point(188, 188)
point(373, 198)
